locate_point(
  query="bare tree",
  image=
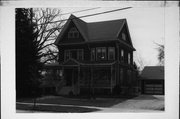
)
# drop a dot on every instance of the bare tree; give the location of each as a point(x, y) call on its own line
point(48, 31)
point(139, 62)
point(160, 49)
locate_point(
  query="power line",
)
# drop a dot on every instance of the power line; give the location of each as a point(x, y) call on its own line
point(81, 11)
point(88, 15)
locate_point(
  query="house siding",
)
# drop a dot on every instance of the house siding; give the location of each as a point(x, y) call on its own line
point(114, 77)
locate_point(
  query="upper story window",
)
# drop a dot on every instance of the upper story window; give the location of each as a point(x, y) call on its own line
point(80, 54)
point(123, 36)
point(101, 53)
point(92, 54)
point(129, 58)
point(111, 53)
point(73, 33)
point(74, 53)
point(122, 55)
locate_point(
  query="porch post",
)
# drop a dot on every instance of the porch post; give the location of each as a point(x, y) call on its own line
point(63, 73)
point(79, 79)
point(72, 79)
point(92, 86)
point(111, 78)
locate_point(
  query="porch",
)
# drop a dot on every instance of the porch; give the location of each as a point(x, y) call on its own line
point(82, 78)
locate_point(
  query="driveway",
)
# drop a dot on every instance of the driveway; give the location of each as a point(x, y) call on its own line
point(142, 103)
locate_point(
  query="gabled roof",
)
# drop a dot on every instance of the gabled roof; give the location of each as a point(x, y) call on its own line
point(153, 72)
point(71, 62)
point(81, 26)
point(106, 30)
point(95, 31)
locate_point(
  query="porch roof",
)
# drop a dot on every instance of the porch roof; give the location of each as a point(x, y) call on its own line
point(73, 62)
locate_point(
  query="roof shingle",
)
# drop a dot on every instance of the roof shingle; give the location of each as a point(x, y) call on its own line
point(153, 72)
point(96, 31)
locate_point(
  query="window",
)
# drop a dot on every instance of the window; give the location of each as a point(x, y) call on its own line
point(101, 53)
point(73, 33)
point(80, 54)
point(92, 54)
point(122, 55)
point(73, 54)
point(111, 53)
point(67, 55)
point(123, 36)
point(129, 58)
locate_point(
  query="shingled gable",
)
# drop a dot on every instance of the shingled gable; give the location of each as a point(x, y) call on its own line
point(81, 26)
point(97, 31)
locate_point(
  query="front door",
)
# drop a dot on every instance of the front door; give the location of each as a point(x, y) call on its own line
point(71, 76)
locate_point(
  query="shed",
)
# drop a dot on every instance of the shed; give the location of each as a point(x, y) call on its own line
point(152, 80)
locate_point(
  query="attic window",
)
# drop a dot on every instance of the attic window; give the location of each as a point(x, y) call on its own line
point(73, 33)
point(123, 36)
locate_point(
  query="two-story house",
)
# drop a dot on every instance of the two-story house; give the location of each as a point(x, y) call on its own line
point(96, 57)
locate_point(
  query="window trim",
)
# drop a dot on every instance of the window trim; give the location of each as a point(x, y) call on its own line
point(70, 55)
point(101, 51)
point(73, 31)
point(113, 53)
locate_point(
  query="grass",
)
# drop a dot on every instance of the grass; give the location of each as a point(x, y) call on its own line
point(98, 102)
point(85, 104)
point(62, 109)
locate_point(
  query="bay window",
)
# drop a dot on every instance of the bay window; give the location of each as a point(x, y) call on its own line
point(101, 53)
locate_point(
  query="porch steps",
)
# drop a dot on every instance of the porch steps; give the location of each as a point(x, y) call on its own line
point(65, 90)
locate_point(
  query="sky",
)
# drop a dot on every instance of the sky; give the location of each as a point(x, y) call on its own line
point(146, 26)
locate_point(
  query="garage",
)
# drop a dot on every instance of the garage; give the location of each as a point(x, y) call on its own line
point(152, 80)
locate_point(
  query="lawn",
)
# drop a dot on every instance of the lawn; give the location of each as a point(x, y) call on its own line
point(66, 104)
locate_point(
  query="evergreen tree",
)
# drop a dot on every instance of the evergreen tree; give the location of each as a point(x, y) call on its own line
point(27, 57)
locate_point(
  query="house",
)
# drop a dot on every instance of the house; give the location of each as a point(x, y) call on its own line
point(152, 80)
point(96, 57)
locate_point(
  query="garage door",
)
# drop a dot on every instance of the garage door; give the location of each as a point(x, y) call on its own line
point(153, 89)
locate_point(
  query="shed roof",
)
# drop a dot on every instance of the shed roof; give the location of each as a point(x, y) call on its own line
point(153, 72)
